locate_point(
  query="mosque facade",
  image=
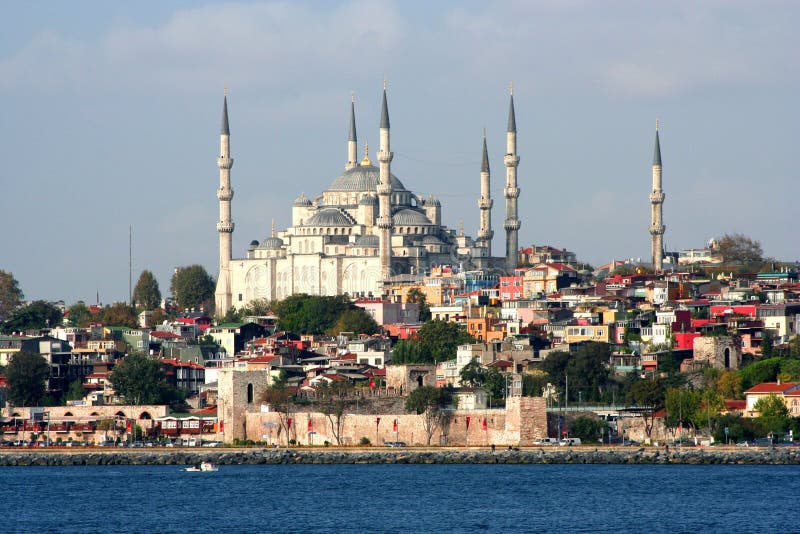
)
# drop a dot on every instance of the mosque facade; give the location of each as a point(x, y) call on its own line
point(366, 229)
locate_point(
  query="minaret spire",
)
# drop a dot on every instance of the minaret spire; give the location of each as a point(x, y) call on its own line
point(222, 295)
point(656, 214)
point(384, 190)
point(511, 191)
point(352, 138)
point(485, 202)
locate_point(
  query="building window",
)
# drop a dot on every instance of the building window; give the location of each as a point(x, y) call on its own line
point(240, 297)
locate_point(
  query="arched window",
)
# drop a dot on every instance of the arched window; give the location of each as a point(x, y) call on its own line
point(68, 414)
point(727, 357)
point(249, 393)
point(144, 415)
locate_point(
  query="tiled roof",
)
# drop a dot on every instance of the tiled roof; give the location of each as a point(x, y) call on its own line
point(772, 387)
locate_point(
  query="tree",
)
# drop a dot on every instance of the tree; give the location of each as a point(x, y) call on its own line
point(257, 307)
point(587, 428)
point(120, 314)
point(281, 399)
point(773, 415)
point(81, 316)
point(140, 379)
point(146, 294)
point(649, 396)
point(794, 347)
point(310, 314)
point(729, 385)
point(192, 286)
point(10, 294)
point(435, 341)
point(767, 345)
point(587, 370)
point(333, 406)
point(472, 374)
point(740, 249)
point(355, 320)
point(26, 378)
point(415, 296)
point(534, 383)
point(761, 371)
point(75, 391)
point(38, 314)
point(429, 401)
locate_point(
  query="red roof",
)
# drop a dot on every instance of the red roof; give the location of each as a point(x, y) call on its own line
point(772, 387)
point(164, 335)
point(261, 359)
point(732, 404)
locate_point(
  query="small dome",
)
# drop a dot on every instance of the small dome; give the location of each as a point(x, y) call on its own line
point(329, 217)
point(363, 178)
point(253, 244)
point(368, 240)
point(272, 243)
point(368, 200)
point(432, 200)
point(409, 217)
point(302, 200)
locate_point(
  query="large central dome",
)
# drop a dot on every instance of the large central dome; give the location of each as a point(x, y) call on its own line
point(363, 178)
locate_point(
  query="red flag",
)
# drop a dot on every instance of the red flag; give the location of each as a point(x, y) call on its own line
point(377, 421)
point(485, 427)
point(468, 419)
point(289, 423)
point(222, 426)
point(372, 384)
point(394, 427)
point(128, 425)
point(310, 426)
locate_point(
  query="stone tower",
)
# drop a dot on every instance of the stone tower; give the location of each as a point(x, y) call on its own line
point(511, 191)
point(384, 189)
point(485, 233)
point(656, 201)
point(222, 295)
point(352, 138)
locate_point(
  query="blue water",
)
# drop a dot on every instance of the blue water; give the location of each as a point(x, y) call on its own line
point(400, 498)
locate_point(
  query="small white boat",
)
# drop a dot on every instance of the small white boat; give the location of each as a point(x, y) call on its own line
point(201, 467)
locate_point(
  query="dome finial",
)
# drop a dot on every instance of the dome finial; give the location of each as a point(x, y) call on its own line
point(461, 227)
point(656, 124)
point(273, 227)
point(353, 97)
point(366, 161)
point(511, 88)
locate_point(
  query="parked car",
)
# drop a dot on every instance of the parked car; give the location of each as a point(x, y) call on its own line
point(545, 441)
point(630, 443)
point(394, 443)
point(569, 442)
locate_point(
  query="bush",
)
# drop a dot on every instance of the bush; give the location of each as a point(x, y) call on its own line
point(292, 442)
point(327, 443)
point(365, 441)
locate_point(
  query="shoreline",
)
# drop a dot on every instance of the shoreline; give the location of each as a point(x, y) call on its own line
point(433, 455)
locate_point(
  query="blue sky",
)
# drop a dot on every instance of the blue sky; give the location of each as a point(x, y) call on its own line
point(112, 118)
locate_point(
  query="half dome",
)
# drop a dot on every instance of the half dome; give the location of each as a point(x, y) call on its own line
point(329, 217)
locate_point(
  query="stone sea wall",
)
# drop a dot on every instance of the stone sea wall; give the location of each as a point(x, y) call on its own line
point(582, 455)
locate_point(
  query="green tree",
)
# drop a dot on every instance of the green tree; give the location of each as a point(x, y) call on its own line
point(534, 383)
point(192, 286)
point(760, 371)
point(310, 314)
point(415, 296)
point(729, 385)
point(120, 314)
point(26, 378)
point(10, 294)
point(75, 391)
point(790, 370)
point(141, 380)
point(435, 341)
point(38, 314)
point(473, 374)
point(587, 369)
point(767, 345)
point(146, 294)
point(81, 316)
point(355, 320)
point(258, 307)
point(231, 316)
point(428, 401)
point(740, 249)
point(794, 347)
point(773, 415)
point(649, 396)
point(588, 429)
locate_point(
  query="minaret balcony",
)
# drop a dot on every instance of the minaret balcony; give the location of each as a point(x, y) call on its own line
point(225, 227)
point(224, 163)
point(486, 235)
point(485, 203)
point(384, 189)
point(511, 160)
point(657, 229)
point(657, 197)
point(511, 192)
point(512, 224)
point(224, 194)
point(385, 157)
point(384, 221)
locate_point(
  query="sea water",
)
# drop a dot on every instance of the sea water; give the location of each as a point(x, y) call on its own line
point(400, 498)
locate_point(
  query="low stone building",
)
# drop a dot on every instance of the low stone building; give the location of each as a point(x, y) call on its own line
point(403, 379)
point(719, 352)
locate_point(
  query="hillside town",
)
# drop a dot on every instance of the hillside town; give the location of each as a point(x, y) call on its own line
point(369, 322)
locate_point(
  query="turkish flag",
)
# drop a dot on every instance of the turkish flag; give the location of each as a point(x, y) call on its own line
point(485, 427)
point(222, 426)
point(377, 421)
point(372, 384)
point(128, 425)
point(289, 423)
point(468, 419)
point(394, 427)
point(310, 426)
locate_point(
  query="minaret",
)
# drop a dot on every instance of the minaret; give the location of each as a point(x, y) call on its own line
point(385, 156)
point(485, 202)
point(656, 201)
point(352, 139)
point(511, 191)
point(223, 297)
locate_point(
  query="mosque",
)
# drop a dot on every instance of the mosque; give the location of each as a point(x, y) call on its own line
point(363, 231)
